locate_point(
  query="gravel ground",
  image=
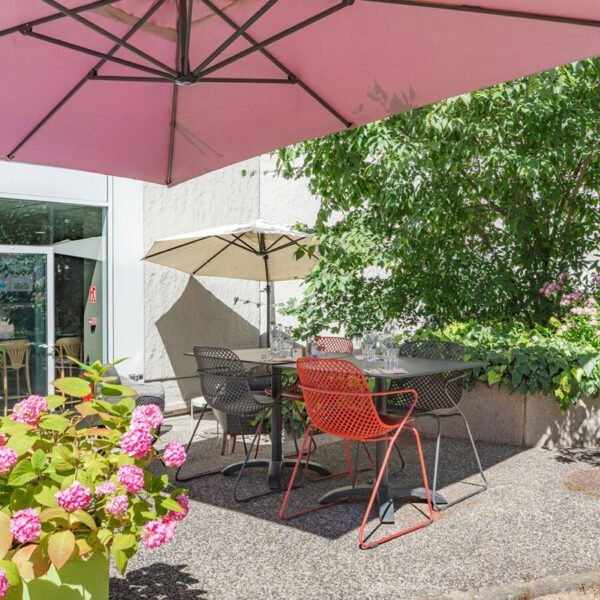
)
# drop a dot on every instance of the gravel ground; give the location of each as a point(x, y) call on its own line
point(585, 595)
point(528, 525)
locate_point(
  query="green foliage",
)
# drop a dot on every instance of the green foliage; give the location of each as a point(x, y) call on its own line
point(79, 443)
point(529, 360)
point(459, 210)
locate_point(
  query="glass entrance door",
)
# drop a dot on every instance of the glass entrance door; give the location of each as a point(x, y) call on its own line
point(26, 322)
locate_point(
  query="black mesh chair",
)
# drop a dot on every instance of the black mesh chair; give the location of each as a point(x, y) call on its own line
point(439, 396)
point(226, 387)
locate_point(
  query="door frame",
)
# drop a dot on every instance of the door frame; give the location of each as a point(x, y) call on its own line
point(50, 298)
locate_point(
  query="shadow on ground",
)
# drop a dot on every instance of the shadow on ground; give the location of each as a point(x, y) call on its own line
point(457, 475)
point(157, 582)
point(588, 456)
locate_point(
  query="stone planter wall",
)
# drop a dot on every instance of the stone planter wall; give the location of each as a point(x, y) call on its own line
point(532, 421)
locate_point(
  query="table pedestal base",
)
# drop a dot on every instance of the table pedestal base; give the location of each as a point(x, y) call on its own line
point(385, 497)
point(275, 467)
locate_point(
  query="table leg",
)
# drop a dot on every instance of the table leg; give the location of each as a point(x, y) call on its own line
point(274, 476)
point(277, 462)
point(384, 497)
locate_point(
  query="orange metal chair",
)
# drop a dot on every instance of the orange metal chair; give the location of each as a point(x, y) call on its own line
point(293, 393)
point(334, 344)
point(338, 402)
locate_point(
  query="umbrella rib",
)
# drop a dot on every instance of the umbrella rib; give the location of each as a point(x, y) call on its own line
point(229, 244)
point(81, 82)
point(290, 243)
point(182, 29)
point(188, 37)
point(280, 66)
point(81, 49)
point(246, 246)
point(267, 248)
point(492, 12)
point(277, 37)
point(55, 16)
point(234, 36)
point(154, 254)
point(173, 119)
point(169, 180)
point(95, 77)
point(124, 44)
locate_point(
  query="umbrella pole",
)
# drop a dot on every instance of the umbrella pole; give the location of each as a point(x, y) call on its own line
point(268, 290)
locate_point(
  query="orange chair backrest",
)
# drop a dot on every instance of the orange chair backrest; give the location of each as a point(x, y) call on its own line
point(337, 398)
point(333, 344)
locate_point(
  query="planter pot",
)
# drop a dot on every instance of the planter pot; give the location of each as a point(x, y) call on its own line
point(499, 417)
point(77, 580)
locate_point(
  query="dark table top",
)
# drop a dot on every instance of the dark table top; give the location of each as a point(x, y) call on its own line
point(409, 367)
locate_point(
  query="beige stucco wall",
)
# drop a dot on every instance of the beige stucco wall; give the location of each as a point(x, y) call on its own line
point(496, 416)
point(180, 311)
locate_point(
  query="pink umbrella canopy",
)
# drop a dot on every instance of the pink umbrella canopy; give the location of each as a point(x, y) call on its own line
point(166, 90)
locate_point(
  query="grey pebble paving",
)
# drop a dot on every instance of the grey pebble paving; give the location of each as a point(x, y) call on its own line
point(528, 525)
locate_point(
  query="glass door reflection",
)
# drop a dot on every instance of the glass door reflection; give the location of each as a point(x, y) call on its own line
point(26, 322)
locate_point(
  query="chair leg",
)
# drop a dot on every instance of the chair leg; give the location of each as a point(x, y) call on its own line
point(313, 444)
point(481, 487)
point(27, 378)
point(195, 476)
point(361, 541)
point(246, 459)
point(233, 441)
point(260, 430)
point(282, 514)
point(223, 444)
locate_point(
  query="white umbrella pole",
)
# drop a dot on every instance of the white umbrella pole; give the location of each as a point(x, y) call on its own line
point(268, 290)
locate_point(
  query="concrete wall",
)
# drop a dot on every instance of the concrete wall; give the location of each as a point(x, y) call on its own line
point(496, 416)
point(181, 311)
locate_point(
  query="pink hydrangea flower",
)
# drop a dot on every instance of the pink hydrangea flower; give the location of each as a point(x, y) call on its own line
point(131, 477)
point(3, 584)
point(2, 439)
point(562, 277)
point(106, 488)
point(549, 288)
point(183, 501)
point(157, 533)
point(75, 497)
point(25, 525)
point(8, 459)
point(174, 454)
point(136, 443)
point(117, 505)
point(147, 417)
point(568, 299)
point(30, 410)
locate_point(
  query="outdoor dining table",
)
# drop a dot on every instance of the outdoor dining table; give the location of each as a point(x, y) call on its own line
point(407, 368)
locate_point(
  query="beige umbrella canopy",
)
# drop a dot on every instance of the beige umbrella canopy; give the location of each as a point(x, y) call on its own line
point(257, 251)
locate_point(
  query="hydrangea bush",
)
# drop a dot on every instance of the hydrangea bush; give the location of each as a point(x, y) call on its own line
point(75, 480)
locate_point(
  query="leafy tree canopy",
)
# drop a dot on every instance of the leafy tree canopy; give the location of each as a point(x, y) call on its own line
point(457, 210)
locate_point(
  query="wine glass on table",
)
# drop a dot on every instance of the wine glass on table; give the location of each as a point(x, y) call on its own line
point(369, 343)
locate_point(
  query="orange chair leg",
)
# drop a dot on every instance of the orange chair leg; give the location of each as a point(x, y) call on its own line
point(282, 514)
point(366, 545)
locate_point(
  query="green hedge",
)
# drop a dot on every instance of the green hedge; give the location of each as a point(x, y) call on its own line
point(565, 364)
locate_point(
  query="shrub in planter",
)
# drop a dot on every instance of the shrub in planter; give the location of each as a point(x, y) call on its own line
point(75, 486)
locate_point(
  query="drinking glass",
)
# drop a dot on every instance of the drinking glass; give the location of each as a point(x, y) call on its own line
point(392, 358)
point(276, 341)
point(369, 342)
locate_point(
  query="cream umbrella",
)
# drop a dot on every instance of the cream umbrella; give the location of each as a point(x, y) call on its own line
point(255, 251)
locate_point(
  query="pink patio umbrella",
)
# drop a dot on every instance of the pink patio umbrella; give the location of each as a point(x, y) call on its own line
point(165, 90)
